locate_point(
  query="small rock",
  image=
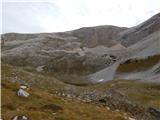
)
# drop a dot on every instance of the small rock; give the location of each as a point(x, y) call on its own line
point(100, 80)
point(108, 108)
point(54, 113)
point(22, 93)
point(23, 87)
point(117, 110)
point(125, 117)
point(40, 68)
point(131, 118)
point(20, 118)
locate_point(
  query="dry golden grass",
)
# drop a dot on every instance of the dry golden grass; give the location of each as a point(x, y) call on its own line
point(33, 107)
point(42, 104)
point(58, 108)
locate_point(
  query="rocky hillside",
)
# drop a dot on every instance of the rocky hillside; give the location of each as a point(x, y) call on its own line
point(138, 33)
point(72, 75)
point(51, 99)
point(83, 51)
point(71, 52)
point(145, 50)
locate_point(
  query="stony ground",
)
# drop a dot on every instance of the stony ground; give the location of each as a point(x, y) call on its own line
point(43, 105)
point(52, 99)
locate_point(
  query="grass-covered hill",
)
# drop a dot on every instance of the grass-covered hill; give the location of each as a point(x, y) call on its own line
point(47, 102)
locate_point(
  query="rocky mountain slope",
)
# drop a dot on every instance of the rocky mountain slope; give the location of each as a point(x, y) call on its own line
point(51, 99)
point(106, 68)
point(147, 44)
point(68, 53)
point(139, 32)
point(83, 51)
point(145, 50)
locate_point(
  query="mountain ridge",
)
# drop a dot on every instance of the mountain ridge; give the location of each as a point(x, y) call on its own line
point(83, 51)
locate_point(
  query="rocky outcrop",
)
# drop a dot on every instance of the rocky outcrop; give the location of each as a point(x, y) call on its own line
point(100, 35)
point(138, 33)
point(116, 100)
point(140, 55)
point(151, 114)
point(56, 55)
point(84, 51)
point(17, 36)
point(141, 69)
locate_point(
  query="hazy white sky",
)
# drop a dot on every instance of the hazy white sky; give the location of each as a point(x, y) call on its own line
point(62, 15)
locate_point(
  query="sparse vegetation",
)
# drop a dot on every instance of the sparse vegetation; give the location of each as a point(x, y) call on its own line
point(49, 71)
point(144, 94)
point(132, 65)
point(42, 105)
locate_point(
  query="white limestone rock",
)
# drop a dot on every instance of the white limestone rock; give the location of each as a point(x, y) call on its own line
point(22, 93)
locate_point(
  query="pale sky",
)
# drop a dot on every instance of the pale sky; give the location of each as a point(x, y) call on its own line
point(62, 15)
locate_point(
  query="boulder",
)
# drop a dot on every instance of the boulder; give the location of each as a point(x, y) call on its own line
point(22, 93)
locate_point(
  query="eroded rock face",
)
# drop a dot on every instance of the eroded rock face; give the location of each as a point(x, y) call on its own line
point(138, 33)
point(101, 35)
point(145, 50)
point(17, 36)
point(83, 51)
point(55, 55)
